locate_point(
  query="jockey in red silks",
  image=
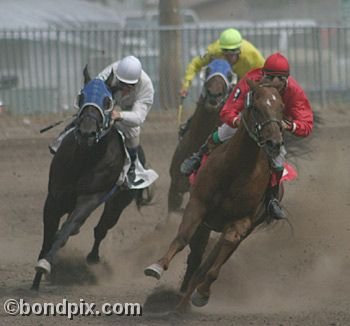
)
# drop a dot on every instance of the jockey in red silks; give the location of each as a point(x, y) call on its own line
point(298, 119)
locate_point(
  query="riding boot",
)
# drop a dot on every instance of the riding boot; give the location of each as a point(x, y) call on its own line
point(273, 206)
point(56, 143)
point(133, 156)
point(193, 163)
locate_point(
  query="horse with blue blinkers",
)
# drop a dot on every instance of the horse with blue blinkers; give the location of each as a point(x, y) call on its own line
point(219, 80)
point(84, 174)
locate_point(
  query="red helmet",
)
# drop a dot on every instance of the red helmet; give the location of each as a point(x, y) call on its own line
point(276, 64)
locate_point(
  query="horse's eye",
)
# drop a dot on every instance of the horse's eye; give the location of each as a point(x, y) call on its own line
point(107, 103)
point(80, 100)
point(207, 72)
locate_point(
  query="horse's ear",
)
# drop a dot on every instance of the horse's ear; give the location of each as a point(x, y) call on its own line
point(87, 77)
point(110, 79)
point(252, 84)
point(207, 71)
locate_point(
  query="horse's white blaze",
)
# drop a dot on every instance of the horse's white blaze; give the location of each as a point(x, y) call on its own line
point(273, 98)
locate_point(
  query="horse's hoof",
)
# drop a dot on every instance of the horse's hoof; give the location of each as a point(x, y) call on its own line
point(198, 299)
point(43, 266)
point(92, 260)
point(154, 270)
point(149, 194)
point(75, 231)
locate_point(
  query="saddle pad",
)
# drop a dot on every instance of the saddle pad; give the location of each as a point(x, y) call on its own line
point(289, 173)
point(144, 177)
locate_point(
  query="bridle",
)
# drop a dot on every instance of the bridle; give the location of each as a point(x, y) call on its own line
point(219, 99)
point(222, 69)
point(255, 133)
point(95, 94)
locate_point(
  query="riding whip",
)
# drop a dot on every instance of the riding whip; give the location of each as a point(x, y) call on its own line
point(179, 111)
point(55, 124)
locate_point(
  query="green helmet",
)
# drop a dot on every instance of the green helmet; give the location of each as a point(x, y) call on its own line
point(230, 39)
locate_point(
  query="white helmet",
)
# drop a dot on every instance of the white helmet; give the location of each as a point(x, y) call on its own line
point(129, 70)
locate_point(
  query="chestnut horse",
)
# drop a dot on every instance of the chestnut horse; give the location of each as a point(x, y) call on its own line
point(218, 82)
point(228, 195)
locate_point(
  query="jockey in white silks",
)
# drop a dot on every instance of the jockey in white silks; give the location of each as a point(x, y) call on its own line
point(133, 96)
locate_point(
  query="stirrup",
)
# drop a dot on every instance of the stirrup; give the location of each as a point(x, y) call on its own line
point(131, 174)
point(275, 210)
point(182, 131)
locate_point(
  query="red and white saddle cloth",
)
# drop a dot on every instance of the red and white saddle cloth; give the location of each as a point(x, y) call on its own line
point(289, 173)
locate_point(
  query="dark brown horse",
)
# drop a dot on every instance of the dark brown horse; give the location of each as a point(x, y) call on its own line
point(83, 175)
point(218, 78)
point(228, 195)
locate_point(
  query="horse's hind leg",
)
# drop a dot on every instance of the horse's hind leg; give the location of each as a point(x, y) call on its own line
point(198, 244)
point(110, 216)
point(193, 216)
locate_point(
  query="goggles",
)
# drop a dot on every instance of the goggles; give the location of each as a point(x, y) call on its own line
point(271, 77)
point(231, 52)
point(123, 85)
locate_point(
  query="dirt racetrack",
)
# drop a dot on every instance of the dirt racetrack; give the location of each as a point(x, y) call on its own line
point(279, 275)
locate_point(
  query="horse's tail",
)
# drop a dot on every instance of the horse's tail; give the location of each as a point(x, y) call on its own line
point(144, 197)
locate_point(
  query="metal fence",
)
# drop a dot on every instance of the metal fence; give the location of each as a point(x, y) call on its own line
point(41, 70)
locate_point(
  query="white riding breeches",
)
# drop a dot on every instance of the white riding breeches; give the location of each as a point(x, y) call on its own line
point(225, 132)
point(132, 134)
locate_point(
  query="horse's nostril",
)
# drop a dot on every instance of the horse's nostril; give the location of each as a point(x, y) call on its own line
point(274, 145)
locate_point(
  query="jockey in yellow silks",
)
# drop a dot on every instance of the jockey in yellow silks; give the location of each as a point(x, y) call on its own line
point(241, 54)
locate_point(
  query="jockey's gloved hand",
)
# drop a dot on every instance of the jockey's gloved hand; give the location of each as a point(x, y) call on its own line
point(183, 93)
point(287, 125)
point(115, 114)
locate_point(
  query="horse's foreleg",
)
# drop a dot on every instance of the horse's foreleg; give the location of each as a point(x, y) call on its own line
point(197, 244)
point(193, 215)
point(110, 216)
point(175, 199)
point(229, 242)
point(51, 219)
point(178, 187)
point(85, 205)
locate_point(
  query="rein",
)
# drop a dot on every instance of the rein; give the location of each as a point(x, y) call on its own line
point(96, 94)
point(207, 95)
point(222, 69)
point(102, 131)
point(255, 134)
